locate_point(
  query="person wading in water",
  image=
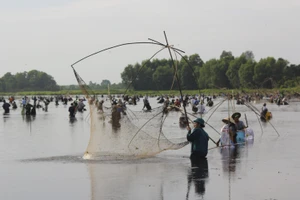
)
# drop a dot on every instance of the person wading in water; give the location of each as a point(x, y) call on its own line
point(199, 140)
point(72, 111)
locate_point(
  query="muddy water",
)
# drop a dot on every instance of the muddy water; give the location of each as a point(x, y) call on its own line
point(41, 158)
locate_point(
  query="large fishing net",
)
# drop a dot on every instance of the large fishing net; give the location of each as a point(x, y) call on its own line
point(117, 132)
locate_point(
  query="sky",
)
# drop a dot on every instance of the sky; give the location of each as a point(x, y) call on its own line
point(51, 35)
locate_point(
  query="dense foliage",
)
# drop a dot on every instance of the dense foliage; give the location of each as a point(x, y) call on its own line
point(226, 72)
point(27, 81)
point(229, 72)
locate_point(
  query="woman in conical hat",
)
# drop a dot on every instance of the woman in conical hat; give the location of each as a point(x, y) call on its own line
point(226, 138)
point(228, 120)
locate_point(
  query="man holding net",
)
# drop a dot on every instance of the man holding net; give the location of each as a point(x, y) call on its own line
point(198, 138)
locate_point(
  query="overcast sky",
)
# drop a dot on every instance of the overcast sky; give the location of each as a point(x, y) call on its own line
point(50, 35)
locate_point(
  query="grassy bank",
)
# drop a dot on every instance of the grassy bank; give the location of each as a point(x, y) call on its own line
point(286, 91)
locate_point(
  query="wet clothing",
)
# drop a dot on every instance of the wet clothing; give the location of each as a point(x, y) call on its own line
point(199, 174)
point(225, 135)
point(147, 104)
point(240, 125)
point(201, 108)
point(6, 106)
point(199, 142)
point(14, 105)
point(72, 111)
point(80, 106)
point(28, 109)
point(239, 133)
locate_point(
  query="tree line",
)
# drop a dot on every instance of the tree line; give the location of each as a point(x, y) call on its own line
point(190, 72)
point(28, 81)
point(225, 72)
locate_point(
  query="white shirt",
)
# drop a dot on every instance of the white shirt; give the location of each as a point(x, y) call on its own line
point(201, 108)
point(225, 138)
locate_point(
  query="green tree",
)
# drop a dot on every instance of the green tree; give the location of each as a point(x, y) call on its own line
point(163, 77)
point(277, 71)
point(205, 80)
point(21, 81)
point(9, 82)
point(246, 73)
point(188, 72)
point(226, 55)
point(105, 83)
point(218, 73)
point(262, 72)
point(233, 71)
point(248, 55)
point(128, 75)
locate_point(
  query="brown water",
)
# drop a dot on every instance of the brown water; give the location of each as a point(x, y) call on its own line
point(41, 158)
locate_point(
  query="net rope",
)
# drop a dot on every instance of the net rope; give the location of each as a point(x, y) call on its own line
point(119, 133)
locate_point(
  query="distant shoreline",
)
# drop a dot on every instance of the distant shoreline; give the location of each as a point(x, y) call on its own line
point(217, 92)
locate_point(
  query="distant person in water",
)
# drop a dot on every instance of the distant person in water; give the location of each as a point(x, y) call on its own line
point(14, 105)
point(201, 108)
point(56, 101)
point(23, 102)
point(199, 139)
point(28, 109)
point(5, 106)
point(264, 111)
point(80, 106)
point(46, 102)
point(72, 111)
point(146, 104)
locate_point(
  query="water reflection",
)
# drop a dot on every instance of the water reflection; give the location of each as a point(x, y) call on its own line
point(72, 120)
point(230, 158)
point(6, 116)
point(28, 118)
point(198, 175)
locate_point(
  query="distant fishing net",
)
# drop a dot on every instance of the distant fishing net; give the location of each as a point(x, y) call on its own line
point(117, 134)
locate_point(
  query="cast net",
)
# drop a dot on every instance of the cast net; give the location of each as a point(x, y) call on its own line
point(118, 133)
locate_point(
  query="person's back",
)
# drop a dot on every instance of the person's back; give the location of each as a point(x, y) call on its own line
point(28, 108)
point(201, 108)
point(199, 139)
point(6, 106)
point(177, 103)
point(72, 110)
point(147, 104)
point(14, 105)
point(80, 106)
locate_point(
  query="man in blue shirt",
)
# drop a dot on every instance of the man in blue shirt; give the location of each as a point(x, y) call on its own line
point(239, 132)
point(199, 139)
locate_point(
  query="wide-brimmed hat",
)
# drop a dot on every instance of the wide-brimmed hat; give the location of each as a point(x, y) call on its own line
point(227, 120)
point(200, 121)
point(236, 115)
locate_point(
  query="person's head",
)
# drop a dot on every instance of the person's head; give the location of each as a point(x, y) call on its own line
point(199, 122)
point(236, 116)
point(265, 104)
point(72, 104)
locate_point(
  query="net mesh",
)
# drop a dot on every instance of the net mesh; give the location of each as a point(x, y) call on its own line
point(118, 133)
